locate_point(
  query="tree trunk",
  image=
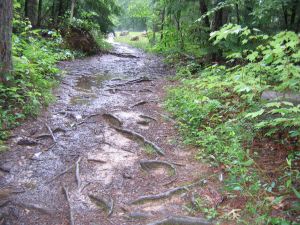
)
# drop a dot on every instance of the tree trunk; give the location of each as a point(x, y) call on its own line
point(72, 9)
point(238, 20)
point(285, 14)
point(162, 23)
point(32, 11)
point(203, 10)
point(293, 15)
point(40, 13)
point(6, 16)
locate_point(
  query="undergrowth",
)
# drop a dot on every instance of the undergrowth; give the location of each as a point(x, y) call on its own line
point(219, 109)
point(35, 74)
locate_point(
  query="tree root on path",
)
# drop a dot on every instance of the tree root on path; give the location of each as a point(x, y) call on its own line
point(78, 180)
point(107, 205)
point(112, 120)
point(62, 173)
point(147, 164)
point(141, 103)
point(66, 191)
point(136, 136)
point(148, 117)
point(38, 208)
point(51, 133)
point(138, 80)
point(123, 55)
point(165, 194)
point(184, 220)
point(96, 160)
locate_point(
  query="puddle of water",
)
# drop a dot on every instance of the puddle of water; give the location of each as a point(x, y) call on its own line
point(87, 83)
point(81, 100)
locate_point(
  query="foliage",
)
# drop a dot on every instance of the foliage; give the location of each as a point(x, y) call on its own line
point(34, 75)
point(219, 108)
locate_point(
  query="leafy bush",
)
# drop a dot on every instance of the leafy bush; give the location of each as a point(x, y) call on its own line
point(35, 73)
point(219, 109)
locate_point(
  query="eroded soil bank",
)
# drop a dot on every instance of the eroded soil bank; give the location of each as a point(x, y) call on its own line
point(105, 152)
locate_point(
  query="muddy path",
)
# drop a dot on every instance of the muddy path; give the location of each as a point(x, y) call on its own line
point(105, 152)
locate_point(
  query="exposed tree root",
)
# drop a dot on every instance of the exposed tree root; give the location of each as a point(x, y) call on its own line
point(96, 160)
point(107, 205)
point(78, 180)
point(138, 80)
point(86, 118)
point(113, 120)
point(51, 133)
point(136, 136)
point(146, 90)
point(160, 195)
point(184, 220)
point(123, 55)
point(27, 141)
point(66, 191)
point(141, 103)
point(41, 136)
point(166, 194)
point(60, 174)
point(36, 207)
point(147, 164)
point(138, 215)
point(148, 117)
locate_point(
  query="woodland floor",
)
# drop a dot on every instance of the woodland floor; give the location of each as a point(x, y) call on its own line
point(77, 163)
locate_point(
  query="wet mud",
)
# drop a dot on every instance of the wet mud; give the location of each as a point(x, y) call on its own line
point(72, 165)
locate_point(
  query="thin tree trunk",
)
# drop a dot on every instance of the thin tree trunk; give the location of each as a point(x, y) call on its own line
point(203, 11)
point(162, 23)
point(40, 13)
point(6, 16)
point(293, 15)
point(72, 9)
point(285, 14)
point(32, 11)
point(238, 20)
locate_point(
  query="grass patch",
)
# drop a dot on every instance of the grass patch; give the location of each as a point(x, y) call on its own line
point(142, 43)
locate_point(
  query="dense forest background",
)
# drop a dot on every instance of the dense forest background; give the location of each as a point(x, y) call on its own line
point(238, 68)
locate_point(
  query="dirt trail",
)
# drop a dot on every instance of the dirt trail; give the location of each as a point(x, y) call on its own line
point(104, 153)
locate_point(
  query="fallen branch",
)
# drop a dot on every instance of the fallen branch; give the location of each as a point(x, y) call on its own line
point(165, 194)
point(146, 164)
point(184, 220)
point(66, 191)
point(78, 172)
point(113, 120)
point(134, 135)
point(103, 203)
point(51, 133)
